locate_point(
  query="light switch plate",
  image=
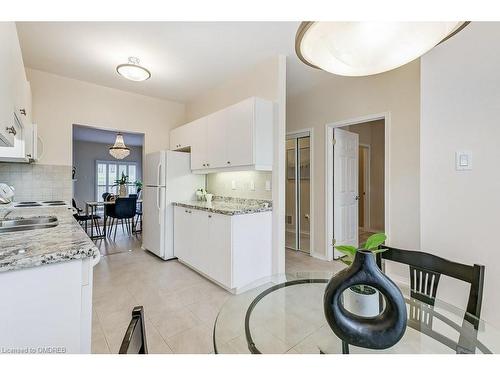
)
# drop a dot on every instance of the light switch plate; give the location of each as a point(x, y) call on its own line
point(233, 184)
point(268, 185)
point(463, 160)
point(252, 185)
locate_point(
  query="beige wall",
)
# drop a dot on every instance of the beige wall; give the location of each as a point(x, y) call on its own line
point(221, 184)
point(372, 134)
point(460, 112)
point(266, 80)
point(342, 98)
point(60, 102)
point(261, 80)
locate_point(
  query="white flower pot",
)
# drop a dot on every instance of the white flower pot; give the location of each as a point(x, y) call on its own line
point(122, 191)
point(365, 305)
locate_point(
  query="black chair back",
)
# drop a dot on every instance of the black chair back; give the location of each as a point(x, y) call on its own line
point(125, 208)
point(134, 341)
point(425, 272)
point(109, 210)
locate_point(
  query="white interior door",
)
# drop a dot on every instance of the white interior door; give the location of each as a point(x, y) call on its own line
point(345, 188)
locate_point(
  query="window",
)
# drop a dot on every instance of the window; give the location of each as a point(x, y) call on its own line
point(107, 172)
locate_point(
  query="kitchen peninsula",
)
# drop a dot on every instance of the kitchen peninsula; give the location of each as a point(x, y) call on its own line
point(46, 271)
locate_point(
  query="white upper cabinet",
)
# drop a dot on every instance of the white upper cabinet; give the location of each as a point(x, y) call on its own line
point(181, 137)
point(239, 137)
point(16, 129)
point(7, 35)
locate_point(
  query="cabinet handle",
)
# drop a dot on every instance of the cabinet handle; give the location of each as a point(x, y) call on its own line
point(11, 130)
point(186, 211)
point(23, 111)
point(228, 162)
point(208, 164)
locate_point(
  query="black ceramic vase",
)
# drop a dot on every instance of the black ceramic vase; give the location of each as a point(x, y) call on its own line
point(377, 332)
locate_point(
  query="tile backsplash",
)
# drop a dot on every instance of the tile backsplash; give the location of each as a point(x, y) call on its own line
point(244, 184)
point(38, 182)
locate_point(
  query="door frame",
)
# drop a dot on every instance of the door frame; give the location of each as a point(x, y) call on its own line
point(367, 183)
point(386, 116)
point(311, 181)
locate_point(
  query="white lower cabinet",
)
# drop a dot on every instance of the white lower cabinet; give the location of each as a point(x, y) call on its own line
point(233, 251)
point(47, 309)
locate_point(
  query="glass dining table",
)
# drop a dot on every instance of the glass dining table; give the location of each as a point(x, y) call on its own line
point(284, 314)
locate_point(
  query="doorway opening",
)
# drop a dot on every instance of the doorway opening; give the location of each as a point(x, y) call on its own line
point(356, 181)
point(298, 192)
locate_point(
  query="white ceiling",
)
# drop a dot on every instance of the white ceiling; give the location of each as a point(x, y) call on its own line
point(185, 58)
point(89, 134)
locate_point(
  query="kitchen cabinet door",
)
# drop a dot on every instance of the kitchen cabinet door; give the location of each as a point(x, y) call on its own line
point(182, 137)
point(182, 236)
point(199, 145)
point(219, 246)
point(198, 230)
point(239, 134)
point(7, 39)
point(216, 140)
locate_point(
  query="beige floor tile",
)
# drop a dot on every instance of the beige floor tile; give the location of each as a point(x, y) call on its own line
point(176, 322)
point(180, 305)
point(99, 344)
point(197, 340)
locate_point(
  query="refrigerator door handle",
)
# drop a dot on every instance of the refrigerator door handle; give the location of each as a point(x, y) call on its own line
point(158, 198)
point(159, 174)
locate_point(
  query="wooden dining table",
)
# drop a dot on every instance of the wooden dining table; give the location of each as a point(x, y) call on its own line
point(93, 205)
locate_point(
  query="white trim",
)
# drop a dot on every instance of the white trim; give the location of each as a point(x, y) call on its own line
point(386, 116)
point(367, 180)
point(311, 183)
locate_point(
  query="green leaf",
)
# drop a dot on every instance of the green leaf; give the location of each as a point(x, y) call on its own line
point(346, 249)
point(378, 251)
point(375, 240)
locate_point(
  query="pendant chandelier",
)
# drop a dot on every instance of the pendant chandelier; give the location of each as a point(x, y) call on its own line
point(119, 150)
point(366, 48)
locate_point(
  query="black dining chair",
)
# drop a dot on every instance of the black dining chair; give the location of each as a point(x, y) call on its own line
point(82, 218)
point(134, 341)
point(138, 214)
point(425, 272)
point(108, 209)
point(123, 209)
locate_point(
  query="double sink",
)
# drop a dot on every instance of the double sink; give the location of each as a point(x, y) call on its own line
point(22, 224)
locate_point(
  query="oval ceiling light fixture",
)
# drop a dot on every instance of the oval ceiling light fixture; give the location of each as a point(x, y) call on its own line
point(119, 150)
point(366, 48)
point(133, 71)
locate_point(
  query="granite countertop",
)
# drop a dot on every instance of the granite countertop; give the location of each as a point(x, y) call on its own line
point(38, 247)
point(229, 206)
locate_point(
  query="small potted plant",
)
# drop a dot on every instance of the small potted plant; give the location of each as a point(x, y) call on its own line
point(362, 300)
point(138, 188)
point(122, 185)
point(200, 194)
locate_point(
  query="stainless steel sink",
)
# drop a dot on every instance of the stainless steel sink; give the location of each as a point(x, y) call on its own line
point(20, 224)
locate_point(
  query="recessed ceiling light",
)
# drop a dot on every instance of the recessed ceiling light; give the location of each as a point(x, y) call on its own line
point(133, 71)
point(366, 48)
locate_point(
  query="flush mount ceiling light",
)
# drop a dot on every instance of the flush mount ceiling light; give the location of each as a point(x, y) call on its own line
point(366, 48)
point(133, 71)
point(119, 150)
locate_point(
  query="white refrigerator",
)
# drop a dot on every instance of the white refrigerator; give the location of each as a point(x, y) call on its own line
point(167, 179)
